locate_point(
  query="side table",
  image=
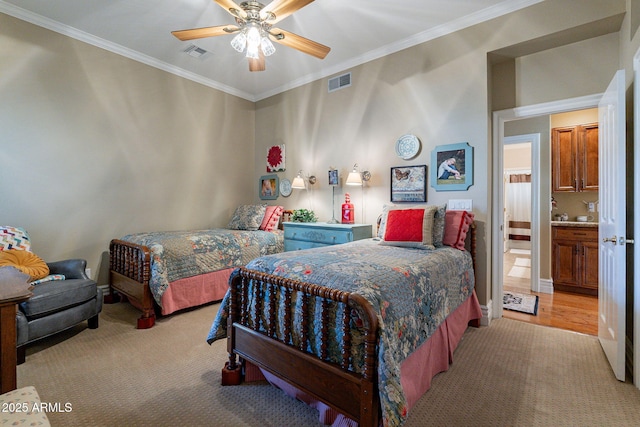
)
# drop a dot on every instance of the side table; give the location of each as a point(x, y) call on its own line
point(10, 279)
point(305, 235)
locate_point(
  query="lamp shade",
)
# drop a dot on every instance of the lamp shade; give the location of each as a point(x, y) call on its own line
point(354, 178)
point(298, 182)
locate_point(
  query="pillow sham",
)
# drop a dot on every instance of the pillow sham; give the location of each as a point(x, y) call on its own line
point(247, 217)
point(438, 225)
point(271, 218)
point(409, 227)
point(25, 261)
point(456, 226)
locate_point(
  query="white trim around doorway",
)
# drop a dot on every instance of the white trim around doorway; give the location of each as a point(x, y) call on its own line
point(499, 119)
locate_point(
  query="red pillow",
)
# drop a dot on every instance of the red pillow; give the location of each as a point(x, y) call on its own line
point(404, 225)
point(271, 218)
point(456, 226)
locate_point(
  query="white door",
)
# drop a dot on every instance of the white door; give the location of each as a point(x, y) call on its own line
point(612, 227)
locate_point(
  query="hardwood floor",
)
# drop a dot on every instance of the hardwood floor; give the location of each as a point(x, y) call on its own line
point(564, 310)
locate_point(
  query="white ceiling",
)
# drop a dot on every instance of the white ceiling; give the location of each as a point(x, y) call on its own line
point(356, 30)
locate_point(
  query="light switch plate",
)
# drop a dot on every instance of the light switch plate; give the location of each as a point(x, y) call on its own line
point(460, 205)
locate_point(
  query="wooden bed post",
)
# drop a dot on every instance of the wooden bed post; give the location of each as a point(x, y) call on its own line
point(231, 373)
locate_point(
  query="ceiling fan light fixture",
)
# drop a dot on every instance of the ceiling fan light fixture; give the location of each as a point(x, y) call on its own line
point(267, 47)
point(253, 35)
point(239, 42)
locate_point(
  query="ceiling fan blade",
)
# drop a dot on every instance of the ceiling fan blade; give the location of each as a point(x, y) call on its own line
point(280, 9)
point(257, 64)
point(232, 7)
point(198, 33)
point(300, 43)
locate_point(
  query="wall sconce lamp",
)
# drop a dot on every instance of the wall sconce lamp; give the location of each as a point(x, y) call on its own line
point(299, 181)
point(357, 178)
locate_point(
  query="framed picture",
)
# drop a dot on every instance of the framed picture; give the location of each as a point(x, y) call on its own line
point(334, 179)
point(452, 167)
point(268, 187)
point(275, 158)
point(409, 184)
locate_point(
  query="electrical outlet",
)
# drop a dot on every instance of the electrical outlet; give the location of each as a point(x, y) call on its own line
point(591, 206)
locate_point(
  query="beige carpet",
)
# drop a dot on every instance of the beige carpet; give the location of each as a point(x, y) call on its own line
point(508, 374)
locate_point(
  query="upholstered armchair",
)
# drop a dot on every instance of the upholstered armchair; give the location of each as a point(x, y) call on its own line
point(63, 298)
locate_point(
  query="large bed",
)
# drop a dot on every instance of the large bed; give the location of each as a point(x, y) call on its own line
point(357, 330)
point(166, 272)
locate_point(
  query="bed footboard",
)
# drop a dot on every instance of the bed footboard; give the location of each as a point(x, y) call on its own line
point(129, 273)
point(261, 336)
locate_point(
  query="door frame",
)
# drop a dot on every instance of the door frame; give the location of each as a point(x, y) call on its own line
point(499, 119)
point(636, 219)
point(534, 140)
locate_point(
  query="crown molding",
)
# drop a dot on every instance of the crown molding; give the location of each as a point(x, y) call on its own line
point(503, 8)
point(85, 37)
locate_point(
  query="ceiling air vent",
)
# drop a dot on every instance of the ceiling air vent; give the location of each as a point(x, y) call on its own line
point(195, 51)
point(339, 82)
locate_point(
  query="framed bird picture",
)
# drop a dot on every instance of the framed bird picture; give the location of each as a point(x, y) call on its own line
point(409, 184)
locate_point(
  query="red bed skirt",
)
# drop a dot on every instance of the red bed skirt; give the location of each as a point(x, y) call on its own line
point(195, 291)
point(415, 374)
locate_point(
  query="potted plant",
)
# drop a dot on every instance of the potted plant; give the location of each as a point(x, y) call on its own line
point(303, 215)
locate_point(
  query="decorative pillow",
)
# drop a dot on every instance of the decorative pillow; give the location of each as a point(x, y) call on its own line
point(409, 227)
point(14, 238)
point(438, 225)
point(247, 217)
point(383, 221)
point(48, 278)
point(456, 226)
point(271, 218)
point(25, 261)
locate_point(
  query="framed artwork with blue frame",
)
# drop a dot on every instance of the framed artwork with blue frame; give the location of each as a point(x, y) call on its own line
point(452, 167)
point(268, 187)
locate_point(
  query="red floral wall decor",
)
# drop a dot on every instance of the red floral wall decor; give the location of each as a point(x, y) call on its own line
point(275, 158)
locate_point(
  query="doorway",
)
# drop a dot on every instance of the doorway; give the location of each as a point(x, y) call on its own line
point(517, 204)
point(541, 196)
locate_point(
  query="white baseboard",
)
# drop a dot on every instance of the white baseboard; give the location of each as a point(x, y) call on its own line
point(486, 314)
point(546, 286)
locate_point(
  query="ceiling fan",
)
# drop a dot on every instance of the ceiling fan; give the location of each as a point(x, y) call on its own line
point(255, 30)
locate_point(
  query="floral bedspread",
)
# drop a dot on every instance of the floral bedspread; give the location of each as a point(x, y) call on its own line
point(412, 290)
point(180, 254)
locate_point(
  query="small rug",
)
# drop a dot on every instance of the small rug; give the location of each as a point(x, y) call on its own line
point(520, 302)
point(523, 262)
point(521, 251)
point(520, 272)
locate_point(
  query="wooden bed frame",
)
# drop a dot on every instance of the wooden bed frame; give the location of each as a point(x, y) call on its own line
point(129, 275)
point(353, 394)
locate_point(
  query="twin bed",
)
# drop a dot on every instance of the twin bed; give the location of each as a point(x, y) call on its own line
point(356, 330)
point(169, 271)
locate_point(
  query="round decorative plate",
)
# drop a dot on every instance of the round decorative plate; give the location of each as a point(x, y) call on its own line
point(285, 187)
point(407, 146)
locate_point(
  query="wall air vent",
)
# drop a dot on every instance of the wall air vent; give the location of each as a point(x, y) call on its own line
point(195, 51)
point(339, 82)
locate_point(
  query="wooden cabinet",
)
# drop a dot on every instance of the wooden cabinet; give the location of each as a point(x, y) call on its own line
point(305, 235)
point(574, 158)
point(575, 259)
